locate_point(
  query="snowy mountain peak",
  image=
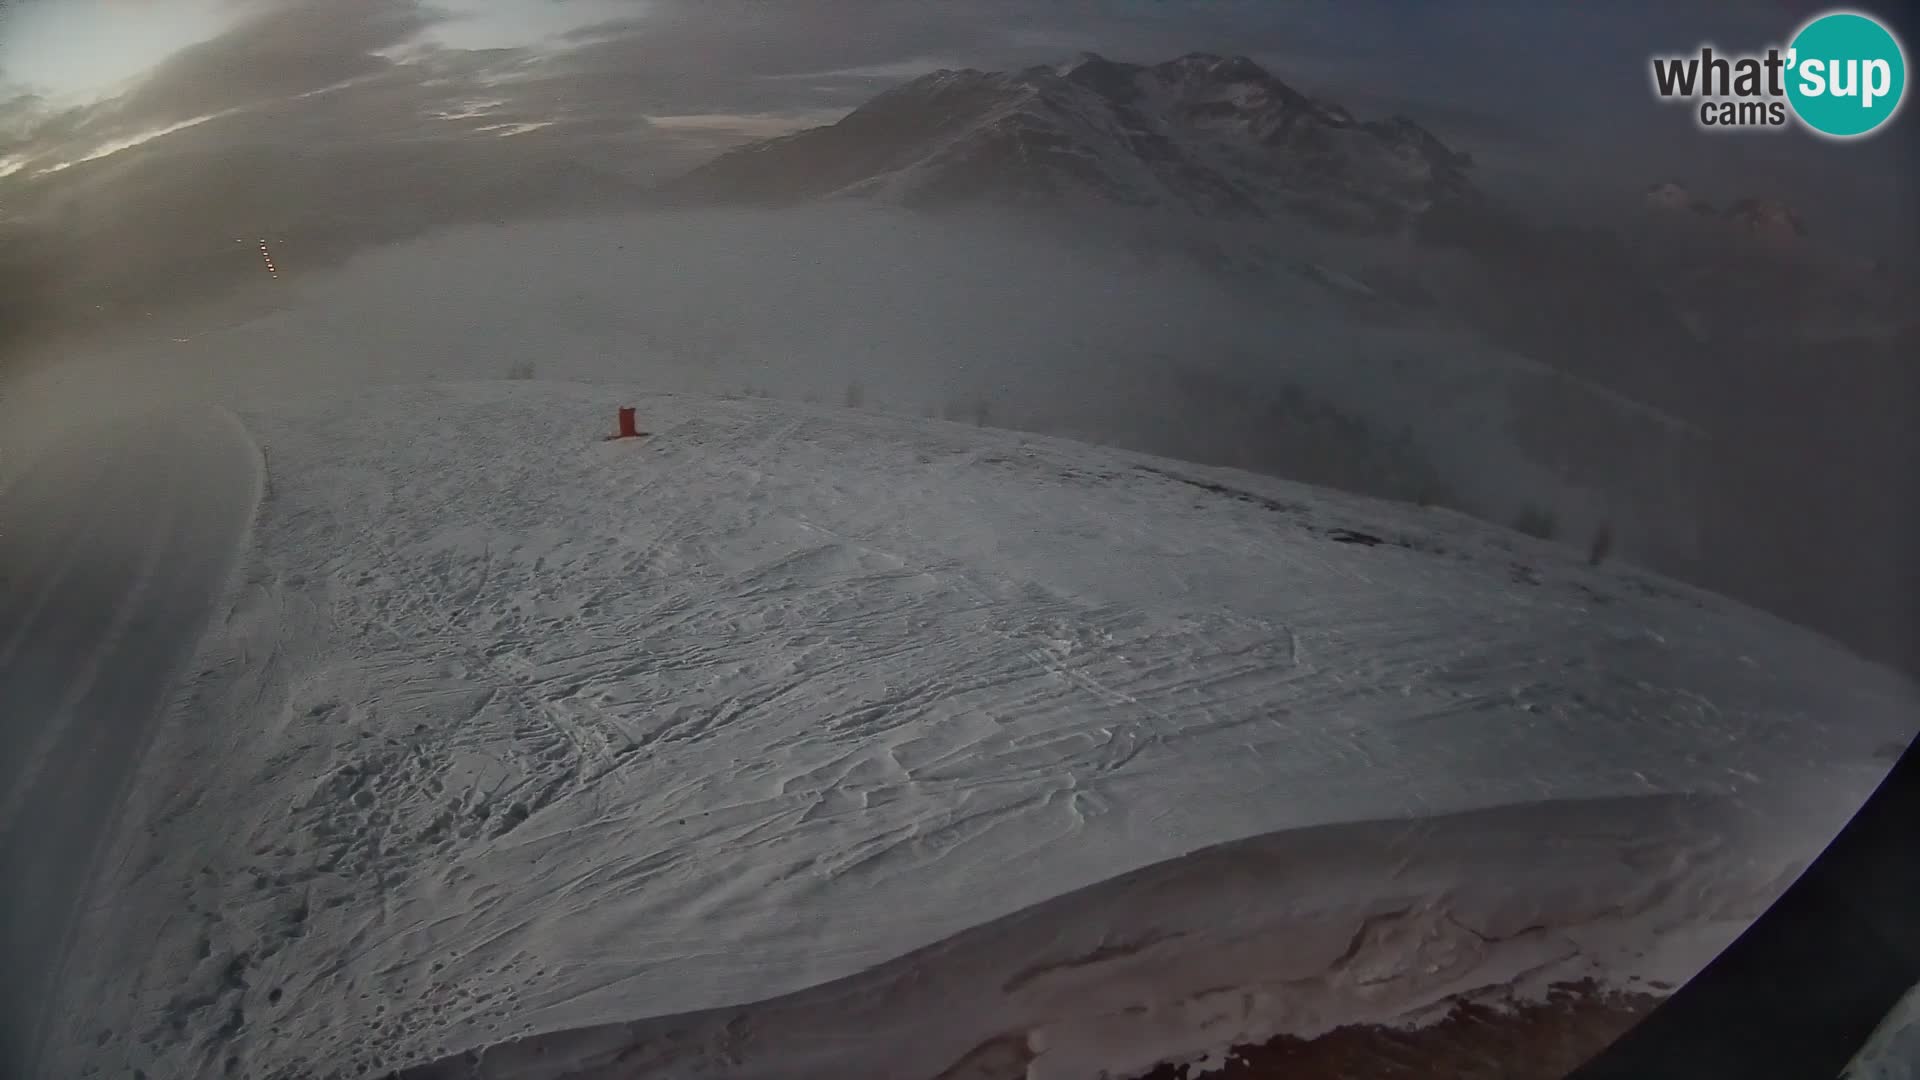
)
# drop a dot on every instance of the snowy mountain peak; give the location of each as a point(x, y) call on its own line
point(1103, 76)
point(1212, 68)
point(1205, 134)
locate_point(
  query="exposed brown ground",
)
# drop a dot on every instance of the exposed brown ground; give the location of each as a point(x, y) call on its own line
point(1535, 1041)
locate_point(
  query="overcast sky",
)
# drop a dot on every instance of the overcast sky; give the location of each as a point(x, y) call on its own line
point(1557, 91)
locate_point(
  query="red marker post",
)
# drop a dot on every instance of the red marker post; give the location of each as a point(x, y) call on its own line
point(629, 426)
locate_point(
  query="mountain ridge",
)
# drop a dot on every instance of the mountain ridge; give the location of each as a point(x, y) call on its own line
point(1205, 133)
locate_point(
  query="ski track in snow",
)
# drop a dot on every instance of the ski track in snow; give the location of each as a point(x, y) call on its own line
point(509, 730)
point(114, 545)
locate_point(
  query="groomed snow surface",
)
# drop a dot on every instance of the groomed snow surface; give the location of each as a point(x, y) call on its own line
point(803, 742)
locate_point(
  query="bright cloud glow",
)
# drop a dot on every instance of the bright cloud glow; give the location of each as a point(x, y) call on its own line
point(507, 130)
point(470, 110)
point(80, 51)
point(114, 146)
point(754, 125)
point(496, 24)
point(911, 68)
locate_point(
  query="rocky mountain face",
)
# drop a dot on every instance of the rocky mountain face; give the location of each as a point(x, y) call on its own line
point(1216, 136)
point(1213, 139)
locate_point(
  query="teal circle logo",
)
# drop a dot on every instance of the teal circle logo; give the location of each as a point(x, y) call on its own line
point(1846, 74)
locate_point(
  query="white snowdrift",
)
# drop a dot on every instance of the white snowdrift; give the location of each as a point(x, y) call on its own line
point(1300, 931)
point(509, 730)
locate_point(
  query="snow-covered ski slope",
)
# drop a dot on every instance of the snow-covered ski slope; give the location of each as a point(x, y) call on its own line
point(508, 730)
point(115, 544)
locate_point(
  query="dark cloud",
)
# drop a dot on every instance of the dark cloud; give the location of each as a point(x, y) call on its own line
point(684, 56)
point(20, 113)
point(280, 52)
point(1517, 78)
point(288, 49)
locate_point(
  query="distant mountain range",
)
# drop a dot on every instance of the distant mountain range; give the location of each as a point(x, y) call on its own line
point(1213, 135)
point(1221, 139)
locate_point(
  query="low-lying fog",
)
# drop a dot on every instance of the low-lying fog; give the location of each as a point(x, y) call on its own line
point(1090, 329)
point(975, 318)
